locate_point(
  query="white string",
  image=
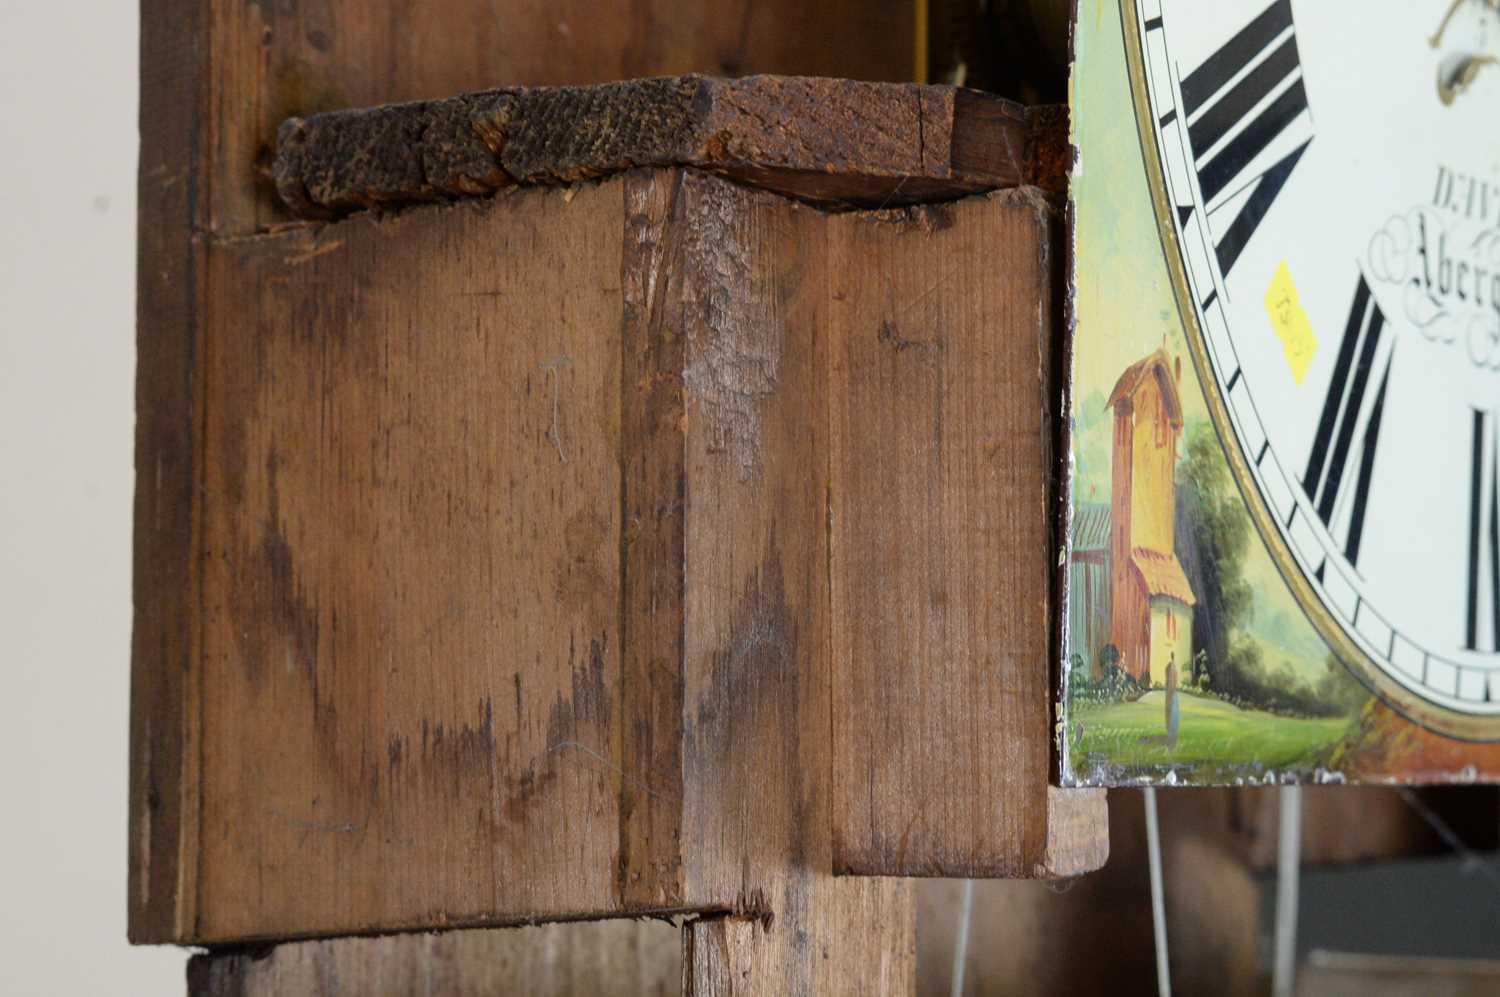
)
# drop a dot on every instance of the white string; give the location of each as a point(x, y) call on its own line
point(1158, 904)
point(961, 943)
point(1288, 865)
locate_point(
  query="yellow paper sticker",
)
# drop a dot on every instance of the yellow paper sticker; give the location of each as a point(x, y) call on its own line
point(1290, 323)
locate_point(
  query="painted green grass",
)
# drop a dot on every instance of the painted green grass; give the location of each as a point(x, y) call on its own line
point(1214, 740)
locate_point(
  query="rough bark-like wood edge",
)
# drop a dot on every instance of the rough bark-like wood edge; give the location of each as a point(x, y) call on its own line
point(828, 141)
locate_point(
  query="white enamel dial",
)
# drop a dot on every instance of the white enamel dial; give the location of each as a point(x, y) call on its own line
point(1328, 182)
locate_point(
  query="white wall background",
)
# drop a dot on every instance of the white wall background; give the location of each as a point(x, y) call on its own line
point(67, 386)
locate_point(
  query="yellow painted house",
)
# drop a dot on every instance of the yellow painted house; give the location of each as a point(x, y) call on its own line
point(1151, 615)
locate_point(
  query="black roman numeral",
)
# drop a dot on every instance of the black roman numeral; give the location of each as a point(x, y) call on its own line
point(1348, 397)
point(1484, 532)
point(1219, 102)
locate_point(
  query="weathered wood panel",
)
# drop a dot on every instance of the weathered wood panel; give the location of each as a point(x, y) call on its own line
point(170, 301)
point(447, 509)
point(217, 78)
point(940, 510)
point(757, 687)
point(410, 597)
point(653, 559)
point(874, 955)
point(823, 140)
point(516, 592)
point(616, 958)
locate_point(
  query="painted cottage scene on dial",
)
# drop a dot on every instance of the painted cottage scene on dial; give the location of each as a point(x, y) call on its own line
point(1183, 663)
point(1250, 390)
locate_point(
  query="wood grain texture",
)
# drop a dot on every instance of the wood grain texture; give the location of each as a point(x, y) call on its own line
point(272, 61)
point(653, 566)
point(482, 567)
point(170, 300)
point(941, 471)
point(618, 958)
point(517, 590)
point(216, 80)
point(514, 593)
point(1077, 833)
point(758, 690)
point(410, 596)
point(823, 140)
point(874, 956)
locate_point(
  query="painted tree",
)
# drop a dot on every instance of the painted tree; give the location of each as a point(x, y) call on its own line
point(1213, 533)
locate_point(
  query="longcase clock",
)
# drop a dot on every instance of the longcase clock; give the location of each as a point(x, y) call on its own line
point(1284, 541)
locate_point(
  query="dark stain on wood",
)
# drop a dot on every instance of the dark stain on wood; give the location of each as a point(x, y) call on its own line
point(590, 701)
point(289, 632)
point(889, 335)
point(568, 722)
point(744, 730)
point(383, 524)
point(752, 690)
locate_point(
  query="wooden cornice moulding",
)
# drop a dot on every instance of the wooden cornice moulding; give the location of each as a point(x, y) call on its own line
point(829, 141)
point(659, 545)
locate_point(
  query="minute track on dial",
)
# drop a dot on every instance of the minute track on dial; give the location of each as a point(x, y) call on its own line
point(1230, 124)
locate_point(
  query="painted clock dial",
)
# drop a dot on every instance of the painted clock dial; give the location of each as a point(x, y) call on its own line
point(1327, 178)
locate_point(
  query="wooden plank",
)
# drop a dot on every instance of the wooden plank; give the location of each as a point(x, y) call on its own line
point(825, 140)
point(515, 594)
point(872, 955)
point(1077, 833)
point(757, 693)
point(941, 469)
point(410, 595)
point(446, 511)
point(387, 561)
point(169, 300)
point(217, 78)
point(618, 958)
point(273, 60)
point(654, 553)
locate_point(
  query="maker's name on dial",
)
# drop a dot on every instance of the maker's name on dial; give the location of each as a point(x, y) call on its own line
point(1445, 258)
